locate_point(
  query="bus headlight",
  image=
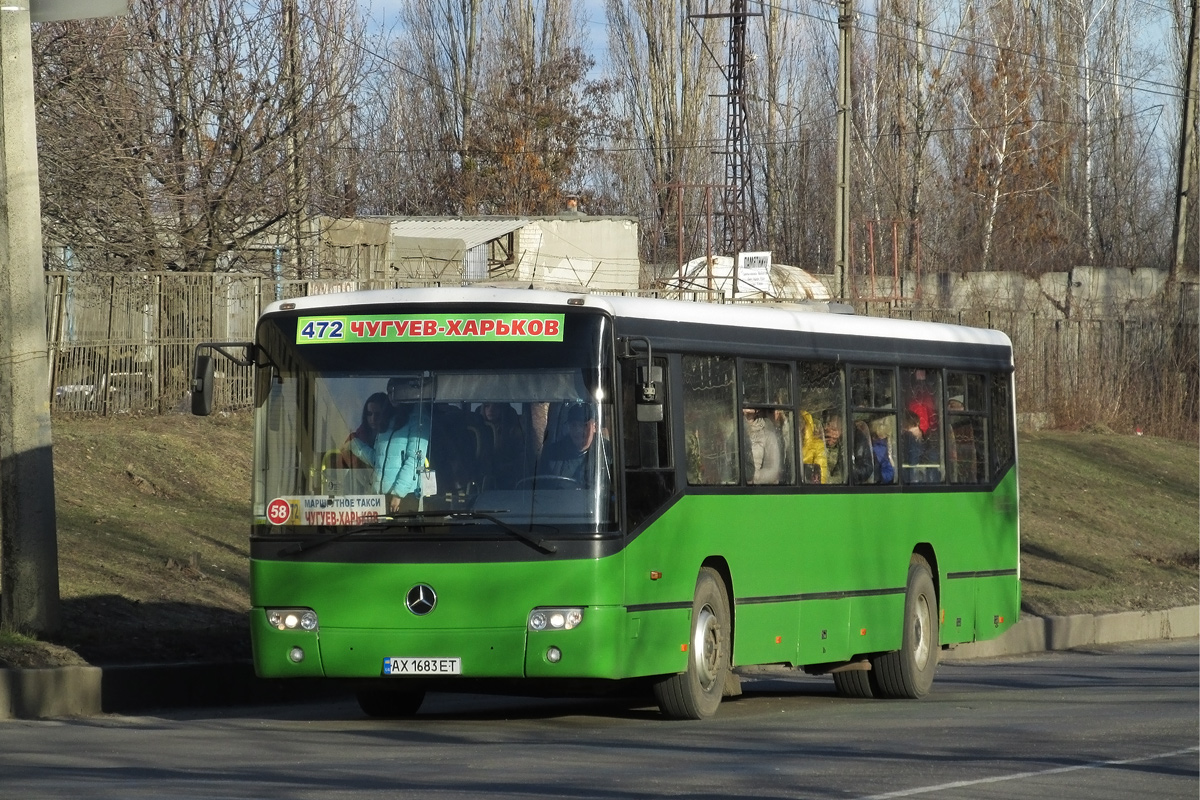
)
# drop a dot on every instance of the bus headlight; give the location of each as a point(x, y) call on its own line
point(292, 619)
point(555, 619)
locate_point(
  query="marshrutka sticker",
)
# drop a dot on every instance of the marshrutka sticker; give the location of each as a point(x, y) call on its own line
point(351, 509)
point(431, 328)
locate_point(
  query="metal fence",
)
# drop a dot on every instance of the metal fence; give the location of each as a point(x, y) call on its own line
point(124, 342)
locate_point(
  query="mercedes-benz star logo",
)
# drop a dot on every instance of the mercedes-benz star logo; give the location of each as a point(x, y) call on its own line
point(421, 599)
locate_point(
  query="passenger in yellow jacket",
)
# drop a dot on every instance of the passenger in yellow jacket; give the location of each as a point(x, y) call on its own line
point(812, 451)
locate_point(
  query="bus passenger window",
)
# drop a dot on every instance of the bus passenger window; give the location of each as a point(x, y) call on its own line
point(966, 410)
point(1003, 447)
point(764, 447)
point(921, 429)
point(823, 448)
point(873, 457)
point(768, 431)
point(710, 421)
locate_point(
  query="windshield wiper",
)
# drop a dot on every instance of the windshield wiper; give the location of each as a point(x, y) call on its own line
point(420, 517)
point(375, 527)
point(528, 538)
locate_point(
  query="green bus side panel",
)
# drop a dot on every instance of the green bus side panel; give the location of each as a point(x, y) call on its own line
point(957, 599)
point(834, 566)
point(658, 641)
point(997, 602)
point(876, 624)
point(766, 633)
point(824, 631)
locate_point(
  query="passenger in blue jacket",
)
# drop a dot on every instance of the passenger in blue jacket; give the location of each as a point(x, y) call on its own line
point(398, 454)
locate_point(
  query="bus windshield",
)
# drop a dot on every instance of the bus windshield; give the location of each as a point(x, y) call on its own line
point(466, 433)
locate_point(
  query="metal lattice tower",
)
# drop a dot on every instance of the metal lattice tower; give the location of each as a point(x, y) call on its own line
point(736, 211)
point(737, 146)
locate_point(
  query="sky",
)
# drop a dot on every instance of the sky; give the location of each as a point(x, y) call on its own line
point(385, 12)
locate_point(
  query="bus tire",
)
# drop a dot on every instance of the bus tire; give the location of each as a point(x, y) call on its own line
point(389, 703)
point(908, 672)
point(855, 683)
point(696, 693)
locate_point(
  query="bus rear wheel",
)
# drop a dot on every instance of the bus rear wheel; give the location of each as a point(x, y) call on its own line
point(696, 693)
point(855, 683)
point(908, 672)
point(390, 703)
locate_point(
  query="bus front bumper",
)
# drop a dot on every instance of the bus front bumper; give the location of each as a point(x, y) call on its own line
point(593, 650)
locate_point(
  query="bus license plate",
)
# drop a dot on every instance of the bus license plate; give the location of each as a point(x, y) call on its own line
point(422, 666)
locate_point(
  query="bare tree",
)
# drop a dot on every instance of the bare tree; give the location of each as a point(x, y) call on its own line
point(665, 80)
point(788, 112)
point(1010, 161)
point(441, 61)
point(164, 133)
point(540, 110)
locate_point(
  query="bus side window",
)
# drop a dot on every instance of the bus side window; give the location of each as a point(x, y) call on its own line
point(823, 436)
point(920, 442)
point(1003, 447)
point(768, 431)
point(710, 420)
point(873, 458)
point(966, 409)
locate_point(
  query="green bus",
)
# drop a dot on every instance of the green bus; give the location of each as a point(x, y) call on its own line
point(478, 488)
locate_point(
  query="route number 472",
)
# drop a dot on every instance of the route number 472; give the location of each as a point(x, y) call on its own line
point(323, 329)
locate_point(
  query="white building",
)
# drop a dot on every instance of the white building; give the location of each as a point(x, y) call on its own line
point(599, 253)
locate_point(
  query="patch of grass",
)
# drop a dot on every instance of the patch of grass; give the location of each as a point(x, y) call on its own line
point(1108, 523)
point(153, 518)
point(25, 652)
point(153, 524)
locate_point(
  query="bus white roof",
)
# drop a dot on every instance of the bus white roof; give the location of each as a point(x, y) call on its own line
point(757, 315)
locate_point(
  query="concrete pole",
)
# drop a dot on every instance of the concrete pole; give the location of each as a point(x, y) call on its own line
point(28, 536)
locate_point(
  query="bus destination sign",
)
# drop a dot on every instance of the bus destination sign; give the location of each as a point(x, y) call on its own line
point(430, 328)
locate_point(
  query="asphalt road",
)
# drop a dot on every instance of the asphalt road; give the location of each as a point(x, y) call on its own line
point(1115, 722)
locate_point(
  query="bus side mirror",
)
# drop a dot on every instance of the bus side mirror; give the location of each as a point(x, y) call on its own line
point(202, 385)
point(649, 406)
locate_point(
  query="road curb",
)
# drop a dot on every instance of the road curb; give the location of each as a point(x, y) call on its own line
point(1041, 634)
point(83, 691)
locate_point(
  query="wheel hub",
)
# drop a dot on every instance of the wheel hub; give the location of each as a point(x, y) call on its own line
point(707, 647)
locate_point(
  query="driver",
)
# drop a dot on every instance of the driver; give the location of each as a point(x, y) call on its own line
point(573, 456)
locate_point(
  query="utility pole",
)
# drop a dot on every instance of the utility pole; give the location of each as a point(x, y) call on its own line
point(841, 225)
point(297, 186)
point(845, 122)
point(1187, 148)
point(29, 599)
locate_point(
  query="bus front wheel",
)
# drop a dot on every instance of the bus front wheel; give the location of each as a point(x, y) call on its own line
point(390, 703)
point(908, 672)
point(696, 693)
